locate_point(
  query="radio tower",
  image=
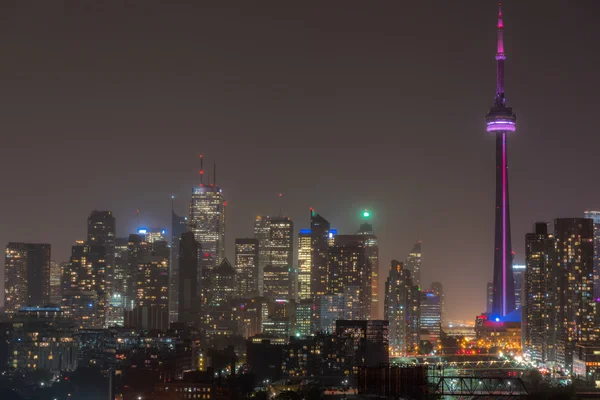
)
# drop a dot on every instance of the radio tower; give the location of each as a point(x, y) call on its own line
point(500, 121)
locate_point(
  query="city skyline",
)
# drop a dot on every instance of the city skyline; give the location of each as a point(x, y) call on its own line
point(410, 163)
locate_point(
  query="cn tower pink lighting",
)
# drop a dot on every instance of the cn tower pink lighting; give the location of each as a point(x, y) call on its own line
point(504, 232)
point(501, 120)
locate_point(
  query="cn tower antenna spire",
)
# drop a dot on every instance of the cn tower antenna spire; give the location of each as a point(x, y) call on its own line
point(500, 57)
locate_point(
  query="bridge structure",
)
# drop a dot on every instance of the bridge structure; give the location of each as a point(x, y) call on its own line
point(478, 387)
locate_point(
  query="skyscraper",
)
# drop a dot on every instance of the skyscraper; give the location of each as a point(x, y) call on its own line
point(537, 301)
point(151, 288)
point(319, 238)
point(178, 227)
point(595, 216)
point(304, 264)
point(438, 289)
point(501, 120)
point(262, 230)
point(207, 221)
point(55, 286)
point(84, 296)
point(188, 288)
point(413, 263)
point(246, 267)
point(349, 273)
point(275, 237)
point(574, 316)
point(518, 276)
point(26, 276)
point(401, 309)
point(101, 233)
point(372, 250)
point(430, 315)
point(281, 256)
point(101, 228)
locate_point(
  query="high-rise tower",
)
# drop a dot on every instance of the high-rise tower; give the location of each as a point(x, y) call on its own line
point(501, 120)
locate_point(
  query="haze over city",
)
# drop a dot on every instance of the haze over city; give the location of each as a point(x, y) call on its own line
point(340, 106)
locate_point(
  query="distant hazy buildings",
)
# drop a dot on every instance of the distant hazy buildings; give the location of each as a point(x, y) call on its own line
point(188, 287)
point(178, 227)
point(413, 263)
point(26, 275)
point(438, 289)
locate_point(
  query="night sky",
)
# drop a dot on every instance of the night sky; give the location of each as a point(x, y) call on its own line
point(339, 105)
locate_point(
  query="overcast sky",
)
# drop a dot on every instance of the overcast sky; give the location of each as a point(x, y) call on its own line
point(339, 105)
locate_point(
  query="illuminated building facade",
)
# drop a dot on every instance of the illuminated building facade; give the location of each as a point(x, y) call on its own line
point(261, 233)
point(330, 308)
point(413, 263)
point(303, 318)
point(518, 276)
point(361, 343)
point(121, 264)
point(372, 252)
point(304, 264)
point(430, 315)
point(55, 286)
point(84, 286)
point(500, 121)
point(101, 233)
point(26, 276)
point(207, 221)
point(539, 262)
point(275, 237)
point(223, 284)
point(573, 307)
point(595, 217)
point(438, 289)
point(281, 255)
point(402, 310)
point(152, 235)
point(42, 338)
point(349, 273)
point(246, 267)
point(151, 288)
point(138, 251)
point(502, 335)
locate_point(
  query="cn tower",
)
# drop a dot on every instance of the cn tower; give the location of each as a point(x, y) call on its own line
point(500, 121)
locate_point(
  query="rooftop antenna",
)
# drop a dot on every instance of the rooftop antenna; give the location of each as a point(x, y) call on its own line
point(201, 169)
point(215, 173)
point(280, 204)
point(137, 213)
